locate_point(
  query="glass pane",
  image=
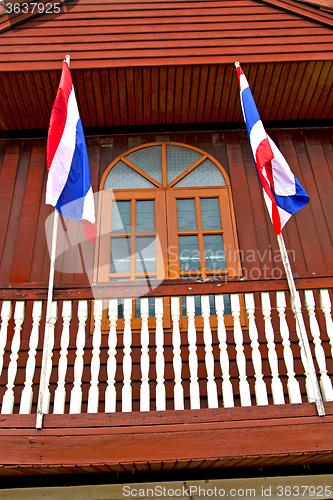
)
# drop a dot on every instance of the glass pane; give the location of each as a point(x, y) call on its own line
point(145, 257)
point(186, 215)
point(189, 257)
point(121, 176)
point(151, 307)
point(121, 217)
point(205, 174)
point(214, 252)
point(210, 213)
point(120, 255)
point(145, 216)
point(178, 159)
point(149, 160)
point(197, 306)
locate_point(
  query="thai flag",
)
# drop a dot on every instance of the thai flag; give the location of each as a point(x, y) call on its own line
point(283, 193)
point(68, 187)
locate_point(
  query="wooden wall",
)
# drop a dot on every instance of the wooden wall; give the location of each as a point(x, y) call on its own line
point(308, 235)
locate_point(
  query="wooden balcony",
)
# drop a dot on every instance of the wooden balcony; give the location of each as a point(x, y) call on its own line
point(210, 380)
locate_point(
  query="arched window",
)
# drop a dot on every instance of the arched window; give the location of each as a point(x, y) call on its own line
point(166, 211)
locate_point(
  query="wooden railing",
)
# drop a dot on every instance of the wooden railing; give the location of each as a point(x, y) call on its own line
point(240, 347)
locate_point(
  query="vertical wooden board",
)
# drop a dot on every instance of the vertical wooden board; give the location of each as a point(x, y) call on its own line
point(106, 97)
point(80, 93)
point(186, 93)
point(7, 183)
point(178, 94)
point(122, 96)
point(327, 111)
point(6, 109)
point(146, 95)
point(90, 97)
point(129, 77)
point(325, 239)
point(294, 89)
point(138, 96)
point(266, 82)
point(242, 204)
point(3, 122)
point(11, 101)
point(162, 94)
point(15, 213)
point(225, 93)
point(202, 93)
point(309, 79)
point(3, 144)
point(28, 222)
point(279, 92)
point(309, 94)
point(305, 230)
point(218, 89)
point(233, 96)
point(211, 82)
point(286, 91)
point(50, 96)
point(114, 96)
point(170, 96)
point(321, 174)
point(33, 96)
point(44, 109)
point(154, 95)
point(271, 90)
point(40, 264)
point(98, 96)
point(325, 71)
point(238, 114)
point(55, 79)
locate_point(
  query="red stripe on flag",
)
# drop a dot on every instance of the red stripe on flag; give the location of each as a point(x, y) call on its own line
point(264, 156)
point(58, 114)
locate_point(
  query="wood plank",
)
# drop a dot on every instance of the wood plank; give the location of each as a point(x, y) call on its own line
point(202, 93)
point(194, 93)
point(11, 101)
point(154, 95)
point(114, 96)
point(138, 85)
point(105, 82)
point(98, 93)
point(211, 83)
point(28, 220)
point(178, 94)
point(7, 184)
point(88, 84)
point(170, 95)
point(219, 85)
point(15, 213)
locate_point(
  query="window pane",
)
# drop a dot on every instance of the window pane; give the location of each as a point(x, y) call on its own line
point(149, 160)
point(121, 217)
point(186, 215)
point(145, 257)
point(214, 252)
point(210, 213)
point(151, 307)
point(121, 176)
point(179, 159)
point(205, 174)
point(145, 216)
point(120, 255)
point(189, 257)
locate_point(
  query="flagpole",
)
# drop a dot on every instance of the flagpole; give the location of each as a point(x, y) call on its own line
point(43, 383)
point(296, 308)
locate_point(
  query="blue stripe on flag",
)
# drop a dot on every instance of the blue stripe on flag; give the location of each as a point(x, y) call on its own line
point(78, 181)
point(250, 110)
point(293, 203)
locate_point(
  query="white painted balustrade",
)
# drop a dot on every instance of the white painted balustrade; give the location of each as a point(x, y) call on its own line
point(221, 353)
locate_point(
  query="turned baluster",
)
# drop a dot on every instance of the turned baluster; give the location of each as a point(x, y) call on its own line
point(60, 392)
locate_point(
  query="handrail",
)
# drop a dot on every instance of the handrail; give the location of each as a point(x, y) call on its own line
point(169, 288)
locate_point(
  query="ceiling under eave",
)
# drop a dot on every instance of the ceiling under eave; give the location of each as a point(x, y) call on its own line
point(168, 62)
